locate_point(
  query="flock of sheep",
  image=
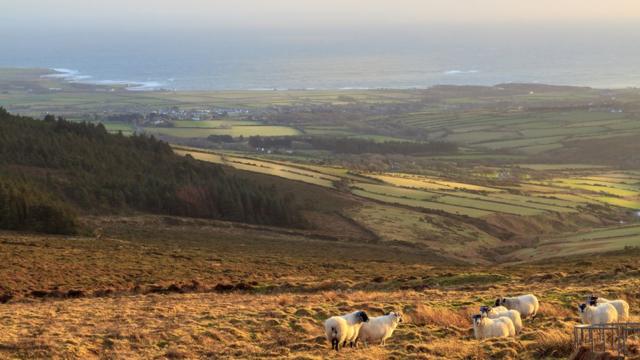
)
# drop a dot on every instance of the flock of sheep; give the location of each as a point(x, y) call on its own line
point(502, 320)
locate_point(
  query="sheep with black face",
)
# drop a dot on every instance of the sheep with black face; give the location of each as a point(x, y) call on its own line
point(622, 307)
point(598, 315)
point(344, 329)
point(484, 327)
point(500, 311)
point(526, 305)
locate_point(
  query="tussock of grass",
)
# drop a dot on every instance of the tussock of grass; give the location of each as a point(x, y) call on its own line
point(552, 343)
point(423, 315)
point(553, 310)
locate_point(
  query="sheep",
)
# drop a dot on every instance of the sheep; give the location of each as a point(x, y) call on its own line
point(379, 329)
point(526, 305)
point(493, 309)
point(345, 328)
point(622, 307)
point(484, 327)
point(500, 311)
point(604, 313)
point(335, 329)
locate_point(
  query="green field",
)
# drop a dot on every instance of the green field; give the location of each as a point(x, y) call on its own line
point(212, 123)
point(264, 167)
point(601, 240)
point(235, 131)
point(561, 195)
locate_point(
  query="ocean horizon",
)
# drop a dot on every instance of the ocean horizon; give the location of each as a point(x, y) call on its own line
point(403, 60)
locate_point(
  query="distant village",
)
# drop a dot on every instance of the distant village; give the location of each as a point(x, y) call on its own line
point(165, 117)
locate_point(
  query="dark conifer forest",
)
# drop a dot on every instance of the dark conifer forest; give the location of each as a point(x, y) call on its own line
point(52, 170)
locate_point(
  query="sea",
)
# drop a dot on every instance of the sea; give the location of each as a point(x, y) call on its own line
point(606, 56)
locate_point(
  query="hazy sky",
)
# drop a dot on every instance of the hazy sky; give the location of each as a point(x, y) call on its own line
point(313, 13)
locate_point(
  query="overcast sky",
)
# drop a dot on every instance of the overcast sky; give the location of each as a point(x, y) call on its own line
point(313, 13)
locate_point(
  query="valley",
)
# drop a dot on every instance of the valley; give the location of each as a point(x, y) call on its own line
point(230, 224)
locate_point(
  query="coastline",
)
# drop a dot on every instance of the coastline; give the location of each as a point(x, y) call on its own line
point(71, 76)
point(76, 77)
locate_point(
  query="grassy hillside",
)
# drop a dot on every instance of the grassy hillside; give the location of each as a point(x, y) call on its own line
point(222, 246)
point(165, 287)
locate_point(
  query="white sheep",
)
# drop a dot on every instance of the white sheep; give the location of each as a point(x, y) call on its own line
point(492, 309)
point(379, 329)
point(345, 328)
point(335, 329)
point(500, 311)
point(622, 307)
point(526, 305)
point(598, 315)
point(485, 327)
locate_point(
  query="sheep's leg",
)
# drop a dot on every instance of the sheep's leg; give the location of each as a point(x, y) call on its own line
point(344, 343)
point(351, 344)
point(334, 344)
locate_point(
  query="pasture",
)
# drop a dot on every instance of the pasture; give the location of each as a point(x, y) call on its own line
point(229, 128)
point(221, 300)
point(529, 197)
point(603, 240)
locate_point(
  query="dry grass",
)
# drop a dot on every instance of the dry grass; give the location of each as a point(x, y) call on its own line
point(292, 286)
point(552, 343)
point(424, 315)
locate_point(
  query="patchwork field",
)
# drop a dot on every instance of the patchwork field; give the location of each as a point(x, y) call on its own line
point(605, 240)
point(506, 120)
point(585, 185)
point(522, 131)
point(235, 131)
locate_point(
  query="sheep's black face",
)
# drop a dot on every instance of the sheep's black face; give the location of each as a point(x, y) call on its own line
point(397, 316)
point(476, 318)
point(497, 302)
point(504, 301)
point(582, 307)
point(593, 302)
point(484, 309)
point(363, 316)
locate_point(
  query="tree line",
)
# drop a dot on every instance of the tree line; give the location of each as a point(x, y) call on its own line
point(344, 145)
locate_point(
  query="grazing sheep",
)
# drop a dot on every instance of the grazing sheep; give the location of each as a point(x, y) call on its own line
point(484, 327)
point(493, 309)
point(526, 305)
point(355, 321)
point(500, 311)
point(622, 307)
point(598, 315)
point(379, 329)
point(335, 328)
point(343, 329)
